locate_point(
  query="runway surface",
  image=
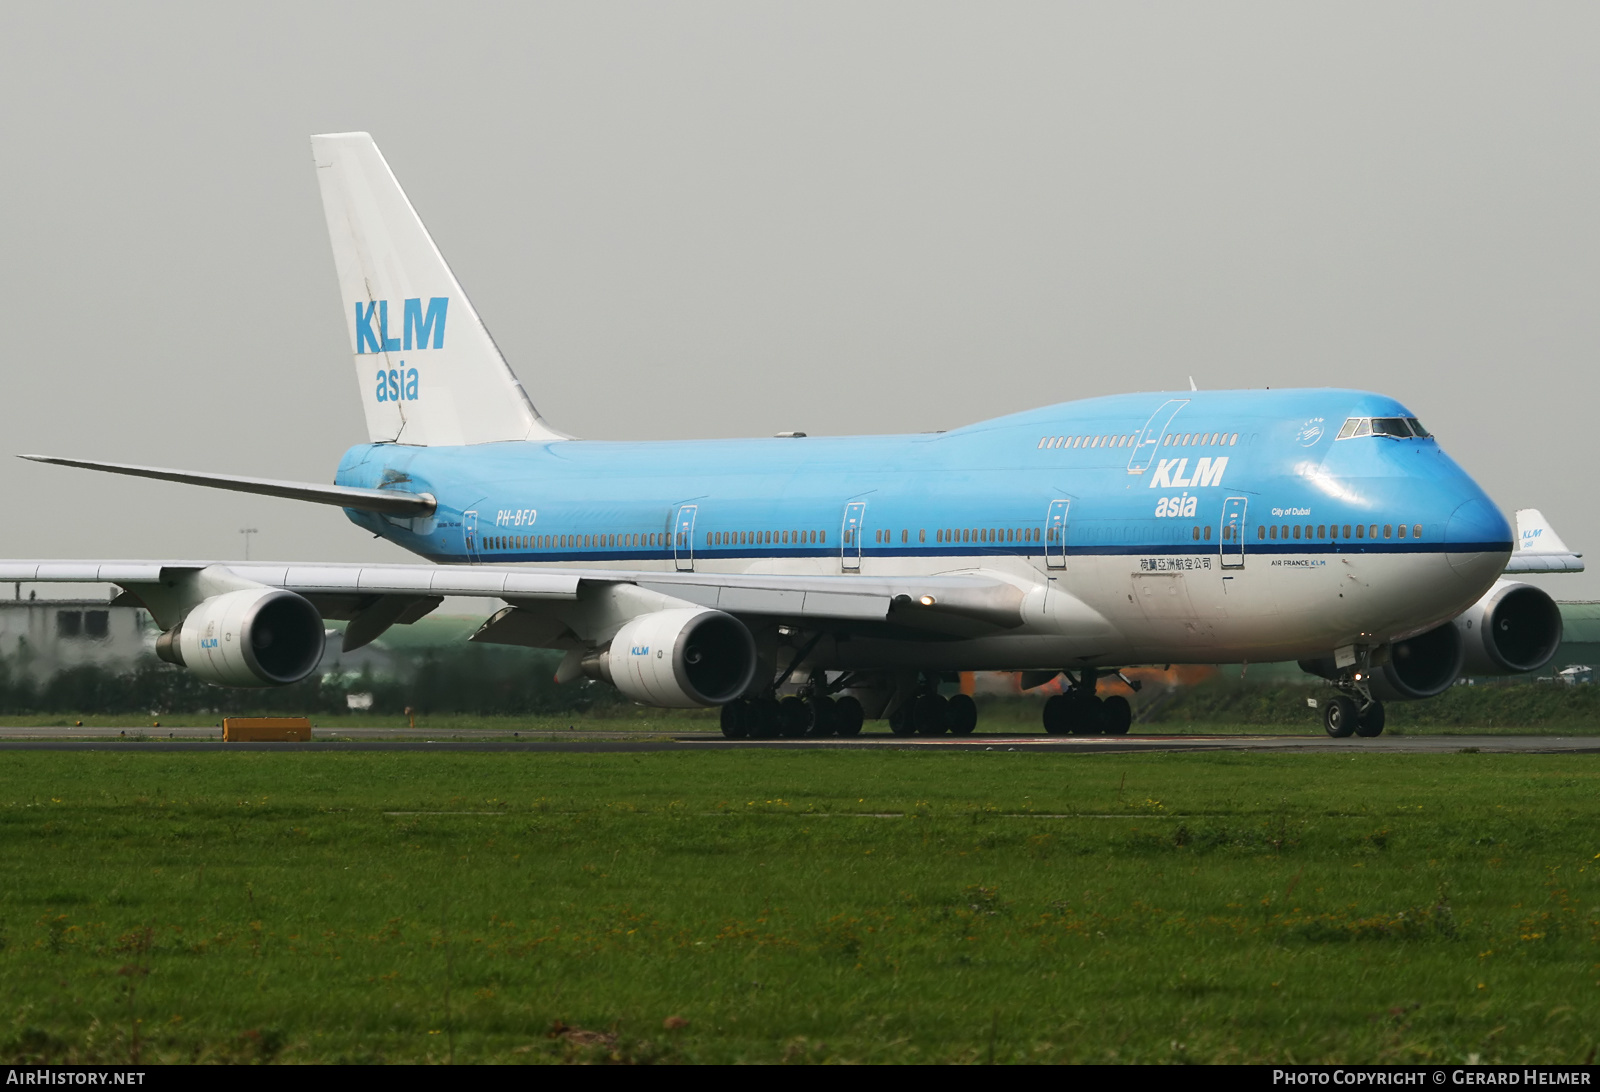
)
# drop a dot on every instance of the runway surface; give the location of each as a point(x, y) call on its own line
point(206, 739)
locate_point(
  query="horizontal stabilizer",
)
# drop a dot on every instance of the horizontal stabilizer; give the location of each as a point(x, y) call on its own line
point(1539, 548)
point(390, 502)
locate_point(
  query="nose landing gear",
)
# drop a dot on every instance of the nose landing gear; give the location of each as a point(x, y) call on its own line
point(1353, 710)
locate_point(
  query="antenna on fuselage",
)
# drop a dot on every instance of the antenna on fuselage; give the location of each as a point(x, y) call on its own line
point(1191, 384)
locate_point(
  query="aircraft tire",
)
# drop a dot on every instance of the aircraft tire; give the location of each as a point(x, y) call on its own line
point(848, 716)
point(823, 717)
point(1339, 717)
point(930, 715)
point(1057, 711)
point(1370, 721)
point(793, 718)
point(764, 719)
point(900, 721)
point(736, 719)
point(1087, 717)
point(1117, 715)
point(962, 715)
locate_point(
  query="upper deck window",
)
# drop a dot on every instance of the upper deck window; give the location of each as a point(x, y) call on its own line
point(1397, 428)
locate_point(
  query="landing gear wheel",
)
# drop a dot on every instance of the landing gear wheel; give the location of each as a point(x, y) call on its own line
point(736, 720)
point(793, 718)
point(962, 714)
point(929, 715)
point(1088, 716)
point(1057, 713)
point(764, 718)
point(1339, 717)
point(847, 716)
point(824, 717)
point(1117, 715)
point(1370, 721)
point(900, 721)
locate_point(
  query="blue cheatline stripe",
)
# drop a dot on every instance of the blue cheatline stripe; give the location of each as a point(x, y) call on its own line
point(963, 550)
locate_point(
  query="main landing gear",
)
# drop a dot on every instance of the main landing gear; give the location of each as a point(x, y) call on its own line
point(812, 714)
point(1077, 711)
point(930, 713)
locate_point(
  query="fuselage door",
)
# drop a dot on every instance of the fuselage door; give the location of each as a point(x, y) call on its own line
point(469, 534)
point(855, 521)
point(1055, 535)
point(683, 537)
point(1233, 533)
point(1150, 438)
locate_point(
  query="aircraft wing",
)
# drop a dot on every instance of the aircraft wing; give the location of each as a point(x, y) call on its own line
point(374, 597)
point(1539, 548)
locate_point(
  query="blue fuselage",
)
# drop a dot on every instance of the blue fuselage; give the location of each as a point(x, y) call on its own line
point(1225, 486)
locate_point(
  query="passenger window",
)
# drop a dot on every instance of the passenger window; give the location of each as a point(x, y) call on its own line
point(1416, 530)
point(1403, 530)
point(1297, 530)
point(1261, 532)
point(1372, 532)
point(1387, 528)
point(1208, 532)
point(1322, 530)
point(1197, 534)
point(1360, 531)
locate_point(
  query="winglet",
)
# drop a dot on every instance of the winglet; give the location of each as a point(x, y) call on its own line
point(1539, 548)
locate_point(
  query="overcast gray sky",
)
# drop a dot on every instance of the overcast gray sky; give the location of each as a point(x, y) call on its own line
point(720, 219)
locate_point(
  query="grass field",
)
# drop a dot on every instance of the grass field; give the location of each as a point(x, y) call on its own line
point(800, 906)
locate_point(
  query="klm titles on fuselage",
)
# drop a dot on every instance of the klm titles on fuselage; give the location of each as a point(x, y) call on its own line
point(1170, 475)
point(421, 329)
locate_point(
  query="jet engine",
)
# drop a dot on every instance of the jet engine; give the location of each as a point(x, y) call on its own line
point(250, 637)
point(680, 658)
point(1514, 628)
point(1420, 666)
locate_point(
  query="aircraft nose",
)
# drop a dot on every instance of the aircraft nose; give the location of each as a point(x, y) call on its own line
point(1480, 539)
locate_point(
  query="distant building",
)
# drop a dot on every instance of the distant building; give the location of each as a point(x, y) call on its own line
point(44, 636)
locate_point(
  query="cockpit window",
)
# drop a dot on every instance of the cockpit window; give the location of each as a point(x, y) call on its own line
point(1399, 428)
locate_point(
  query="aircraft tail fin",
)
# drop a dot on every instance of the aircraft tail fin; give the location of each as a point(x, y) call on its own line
point(1539, 548)
point(429, 372)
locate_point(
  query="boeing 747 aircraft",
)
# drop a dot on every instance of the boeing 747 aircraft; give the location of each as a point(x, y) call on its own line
point(804, 584)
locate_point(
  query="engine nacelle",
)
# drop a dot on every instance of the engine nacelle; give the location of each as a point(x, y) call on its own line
point(1420, 666)
point(1514, 628)
point(250, 637)
point(682, 658)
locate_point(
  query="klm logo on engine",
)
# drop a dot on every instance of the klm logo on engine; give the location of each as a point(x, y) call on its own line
point(420, 330)
point(639, 650)
point(1170, 473)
